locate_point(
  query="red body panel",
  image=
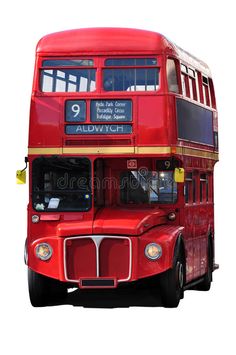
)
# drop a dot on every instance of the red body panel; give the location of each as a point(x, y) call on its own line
point(130, 221)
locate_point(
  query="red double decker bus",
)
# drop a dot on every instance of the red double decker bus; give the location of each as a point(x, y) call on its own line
point(123, 140)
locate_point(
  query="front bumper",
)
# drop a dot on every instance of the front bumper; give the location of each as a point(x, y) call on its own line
point(92, 259)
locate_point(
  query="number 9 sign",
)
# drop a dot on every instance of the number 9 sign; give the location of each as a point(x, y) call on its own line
point(75, 111)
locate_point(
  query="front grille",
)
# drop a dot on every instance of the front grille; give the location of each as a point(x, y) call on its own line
point(97, 257)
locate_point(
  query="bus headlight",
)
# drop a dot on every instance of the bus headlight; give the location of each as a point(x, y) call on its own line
point(153, 251)
point(35, 218)
point(171, 216)
point(43, 251)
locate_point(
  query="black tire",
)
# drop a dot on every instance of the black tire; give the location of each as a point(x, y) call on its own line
point(172, 281)
point(44, 290)
point(205, 285)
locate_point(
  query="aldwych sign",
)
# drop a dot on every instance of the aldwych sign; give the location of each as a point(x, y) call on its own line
point(99, 129)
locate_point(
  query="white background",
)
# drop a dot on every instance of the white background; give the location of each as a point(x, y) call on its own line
point(201, 323)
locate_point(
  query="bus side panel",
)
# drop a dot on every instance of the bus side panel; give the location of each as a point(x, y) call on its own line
point(151, 121)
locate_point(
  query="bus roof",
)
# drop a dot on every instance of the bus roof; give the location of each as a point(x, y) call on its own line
point(114, 41)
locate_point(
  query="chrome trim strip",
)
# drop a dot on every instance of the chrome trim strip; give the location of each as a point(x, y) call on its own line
point(97, 239)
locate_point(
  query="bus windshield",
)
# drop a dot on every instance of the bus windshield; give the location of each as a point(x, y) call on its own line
point(61, 184)
point(148, 187)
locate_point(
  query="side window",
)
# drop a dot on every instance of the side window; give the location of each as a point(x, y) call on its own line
point(184, 89)
point(212, 93)
point(200, 88)
point(194, 189)
point(172, 76)
point(203, 188)
point(205, 88)
point(188, 187)
point(209, 187)
point(184, 80)
point(192, 84)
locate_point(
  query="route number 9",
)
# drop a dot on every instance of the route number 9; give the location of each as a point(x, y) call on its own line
point(167, 164)
point(75, 109)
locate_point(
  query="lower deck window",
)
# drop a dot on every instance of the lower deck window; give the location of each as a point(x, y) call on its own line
point(61, 184)
point(148, 187)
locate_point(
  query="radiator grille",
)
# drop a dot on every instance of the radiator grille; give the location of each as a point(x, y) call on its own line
point(97, 256)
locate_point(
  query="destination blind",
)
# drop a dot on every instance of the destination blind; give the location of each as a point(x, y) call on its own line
point(109, 113)
point(111, 110)
point(99, 129)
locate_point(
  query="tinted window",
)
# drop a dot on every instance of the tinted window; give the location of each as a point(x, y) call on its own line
point(195, 123)
point(61, 184)
point(67, 63)
point(130, 62)
point(68, 80)
point(130, 79)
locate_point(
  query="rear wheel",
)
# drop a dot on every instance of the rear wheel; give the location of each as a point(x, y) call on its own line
point(205, 285)
point(172, 281)
point(43, 290)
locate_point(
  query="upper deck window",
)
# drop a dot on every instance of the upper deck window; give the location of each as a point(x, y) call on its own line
point(132, 79)
point(205, 88)
point(132, 62)
point(68, 80)
point(67, 63)
point(138, 78)
point(172, 76)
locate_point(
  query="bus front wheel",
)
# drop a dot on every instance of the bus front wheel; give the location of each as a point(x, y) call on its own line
point(43, 290)
point(172, 282)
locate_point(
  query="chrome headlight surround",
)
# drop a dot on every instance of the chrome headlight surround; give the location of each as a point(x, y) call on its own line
point(43, 251)
point(153, 251)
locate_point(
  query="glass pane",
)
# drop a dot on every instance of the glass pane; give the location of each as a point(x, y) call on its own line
point(148, 187)
point(184, 68)
point(68, 80)
point(172, 76)
point(183, 84)
point(130, 79)
point(67, 63)
point(130, 62)
point(61, 184)
point(191, 72)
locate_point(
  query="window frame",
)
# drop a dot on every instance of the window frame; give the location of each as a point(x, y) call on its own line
point(64, 69)
point(59, 210)
point(111, 68)
point(37, 81)
point(150, 203)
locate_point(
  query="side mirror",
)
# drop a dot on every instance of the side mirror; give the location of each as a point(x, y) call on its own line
point(21, 174)
point(21, 177)
point(179, 175)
